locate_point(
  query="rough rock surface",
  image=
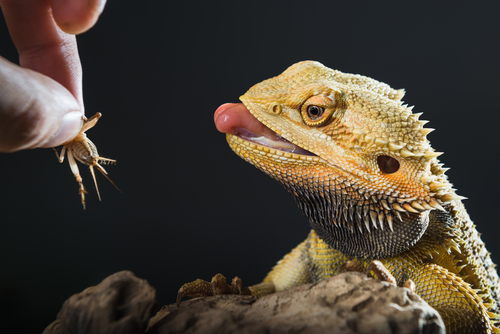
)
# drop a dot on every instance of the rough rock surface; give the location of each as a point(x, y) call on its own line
point(120, 304)
point(347, 303)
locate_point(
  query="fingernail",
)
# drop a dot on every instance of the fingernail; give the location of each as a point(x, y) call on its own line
point(101, 5)
point(70, 126)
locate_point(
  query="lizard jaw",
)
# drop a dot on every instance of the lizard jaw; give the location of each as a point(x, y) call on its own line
point(235, 119)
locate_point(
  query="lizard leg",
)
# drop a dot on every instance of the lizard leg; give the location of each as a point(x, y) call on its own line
point(353, 265)
point(381, 272)
point(461, 309)
point(218, 286)
point(376, 267)
point(377, 270)
point(310, 262)
point(410, 285)
point(289, 272)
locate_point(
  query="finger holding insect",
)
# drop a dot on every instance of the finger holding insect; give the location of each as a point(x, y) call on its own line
point(35, 111)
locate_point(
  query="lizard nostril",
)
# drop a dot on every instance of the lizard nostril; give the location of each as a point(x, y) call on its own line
point(387, 164)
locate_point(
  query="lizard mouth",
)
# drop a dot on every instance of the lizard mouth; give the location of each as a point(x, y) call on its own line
point(277, 143)
point(235, 119)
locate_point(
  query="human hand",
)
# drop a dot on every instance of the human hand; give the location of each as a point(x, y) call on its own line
point(41, 103)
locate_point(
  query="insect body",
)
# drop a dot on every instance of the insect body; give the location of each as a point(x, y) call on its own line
point(83, 150)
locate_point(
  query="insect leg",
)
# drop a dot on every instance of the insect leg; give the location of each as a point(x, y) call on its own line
point(78, 177)
point(91, 167)
point(91, 122)
point(60, 157)
point(103, 171)
point(107, 161)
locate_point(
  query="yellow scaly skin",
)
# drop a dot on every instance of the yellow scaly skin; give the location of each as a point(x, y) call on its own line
point(372, 190)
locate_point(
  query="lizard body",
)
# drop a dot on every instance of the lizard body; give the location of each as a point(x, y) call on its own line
point(359, 165)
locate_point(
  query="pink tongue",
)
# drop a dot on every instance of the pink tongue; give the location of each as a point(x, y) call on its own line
point(234, 118)
point(231, 116)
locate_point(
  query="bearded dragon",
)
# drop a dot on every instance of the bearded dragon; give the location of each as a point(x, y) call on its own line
point(360, 166)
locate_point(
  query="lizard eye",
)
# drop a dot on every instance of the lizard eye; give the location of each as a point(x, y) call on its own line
point(315, 112)
point(387, 164)
point(318, 110)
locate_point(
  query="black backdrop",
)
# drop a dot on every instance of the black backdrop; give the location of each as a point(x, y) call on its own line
point(190, 207)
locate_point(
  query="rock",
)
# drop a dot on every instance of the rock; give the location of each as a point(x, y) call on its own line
point(121, 304)
point(346, 303)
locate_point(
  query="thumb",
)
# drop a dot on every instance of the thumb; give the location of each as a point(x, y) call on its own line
point(35, 111)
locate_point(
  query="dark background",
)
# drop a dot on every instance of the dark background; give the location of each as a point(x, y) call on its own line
point(190, 207)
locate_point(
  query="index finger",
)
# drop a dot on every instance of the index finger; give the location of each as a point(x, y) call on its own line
point(76, 16)
point(42, 46)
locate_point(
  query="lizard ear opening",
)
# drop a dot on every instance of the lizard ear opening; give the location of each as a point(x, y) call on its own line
point(387, 164)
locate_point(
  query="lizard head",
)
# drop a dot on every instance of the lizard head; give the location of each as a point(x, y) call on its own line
point(355, 158)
